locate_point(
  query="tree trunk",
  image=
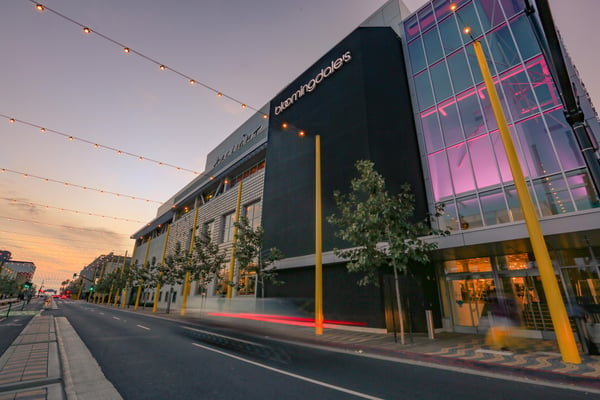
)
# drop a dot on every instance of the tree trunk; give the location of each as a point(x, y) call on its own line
point(399, 302)
point(169, 300)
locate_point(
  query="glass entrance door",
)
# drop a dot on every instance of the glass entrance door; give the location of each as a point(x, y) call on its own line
point(470, 298)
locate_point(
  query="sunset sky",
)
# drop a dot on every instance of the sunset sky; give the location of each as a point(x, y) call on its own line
point(55, 76)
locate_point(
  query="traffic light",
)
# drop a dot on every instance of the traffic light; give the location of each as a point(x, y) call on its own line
point(27, 285)
point(75, 275)
point(92, 289)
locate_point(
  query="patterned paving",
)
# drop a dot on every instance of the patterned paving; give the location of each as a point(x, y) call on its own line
point(29, 368)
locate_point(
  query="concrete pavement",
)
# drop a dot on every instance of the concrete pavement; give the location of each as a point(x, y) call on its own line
point(49, 361)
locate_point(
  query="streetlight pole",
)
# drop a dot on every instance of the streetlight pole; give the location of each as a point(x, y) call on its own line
point(318, 241)
point(558, 312)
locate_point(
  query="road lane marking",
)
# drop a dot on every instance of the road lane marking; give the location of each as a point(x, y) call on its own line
point(143, 327)
point(117, 318)
point(222, 336)
point(300, 377)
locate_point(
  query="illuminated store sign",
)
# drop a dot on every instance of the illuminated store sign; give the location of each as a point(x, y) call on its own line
point(312, 84)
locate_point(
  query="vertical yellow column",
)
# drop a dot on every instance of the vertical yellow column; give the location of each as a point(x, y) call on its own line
point(187, 280)
point(558, 312)
point(230, 276)
point(162, 260)
point(318, 241)
point(124, 291)
point(139, 291)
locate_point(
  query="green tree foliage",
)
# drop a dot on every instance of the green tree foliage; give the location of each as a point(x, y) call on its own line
point(8, 287)
point(379, 226)
point(172, 271)
point(250, 256)
point(207, 258)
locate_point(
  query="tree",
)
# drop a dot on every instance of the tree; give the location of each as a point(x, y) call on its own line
point(207, 258)
point(380, 226)
point(8, 287)
point(251, 258)
point(172, 271)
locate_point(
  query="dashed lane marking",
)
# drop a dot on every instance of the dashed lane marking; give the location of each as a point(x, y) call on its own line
point(143, 327)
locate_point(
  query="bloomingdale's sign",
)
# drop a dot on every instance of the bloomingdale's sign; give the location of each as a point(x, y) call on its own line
point(312, 84)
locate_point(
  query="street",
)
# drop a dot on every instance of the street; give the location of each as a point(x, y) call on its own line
point(151, 358)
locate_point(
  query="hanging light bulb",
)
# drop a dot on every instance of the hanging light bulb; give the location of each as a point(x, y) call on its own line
point(219, 94)
point(71, 138)
point(192, 82)
point(243, 105)
point(43, 130)
point(265, 116)
point(39, 7)
point(126, 50)
point(12, 120)
point(86, 30)
point(162, 67)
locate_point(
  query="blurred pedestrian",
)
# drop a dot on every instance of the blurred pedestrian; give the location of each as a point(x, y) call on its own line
point(503, 315)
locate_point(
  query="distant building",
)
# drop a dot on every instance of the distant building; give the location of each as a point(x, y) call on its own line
point(22, 271)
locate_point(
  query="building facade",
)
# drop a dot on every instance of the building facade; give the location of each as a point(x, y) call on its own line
point(406, 92)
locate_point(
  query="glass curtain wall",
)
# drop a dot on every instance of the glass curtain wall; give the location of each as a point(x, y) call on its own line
point(467, 165)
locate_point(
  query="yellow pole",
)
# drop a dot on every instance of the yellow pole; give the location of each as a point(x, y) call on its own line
point(318, 241)
point(558, 312)
point(113, 285)
point(124, 292)
point(235, 231)
point(162, 260)
point(188, 279)
point(98, 298)
point(80, 287)
point(139, 291)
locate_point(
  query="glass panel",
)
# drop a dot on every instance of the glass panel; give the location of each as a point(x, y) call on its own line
point(564, 140)
point(542, 82)
point(416, 55)
point(469, 299)
point(539, 153)
point(451, 128)
point(494, 208)
point(461, 169)
point(433, 47)
point(526, 41)
point(431, 130)
point(489, 13)
point(426, 19)
point(442, 7)
point(504, 51)
point(411, 28)
point(468, 17)
point(521, 100)
point(423, 90)
point(472, 59)
point(471, 114)
point(440, 175)
point(514, 206)
point(459, 72)
point(448, 220)
point(512, 7)
point(469, 214)
point(582, 190)
point(484, 165)
point(450, 35)
point(553, 195)
point(514, 262)
point(441, 81)
point(501, 159)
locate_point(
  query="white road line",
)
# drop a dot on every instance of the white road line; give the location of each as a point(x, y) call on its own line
point(143, 327)
point(499, 352)
point(117, 318)
point(303, 378)
point(223, 336)
point(101, 313)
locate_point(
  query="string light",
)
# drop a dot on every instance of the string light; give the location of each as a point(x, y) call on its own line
point(78, 186)
point(31, 204)
point(96, 145)
point(60, 226)
point(127, 49)
point(39, 7)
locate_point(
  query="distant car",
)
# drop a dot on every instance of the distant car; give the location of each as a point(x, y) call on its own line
point(56, 296)
point(64, 296)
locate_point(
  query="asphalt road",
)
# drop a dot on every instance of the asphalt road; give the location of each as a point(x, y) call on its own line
point(13, 325)
point(151, 358)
